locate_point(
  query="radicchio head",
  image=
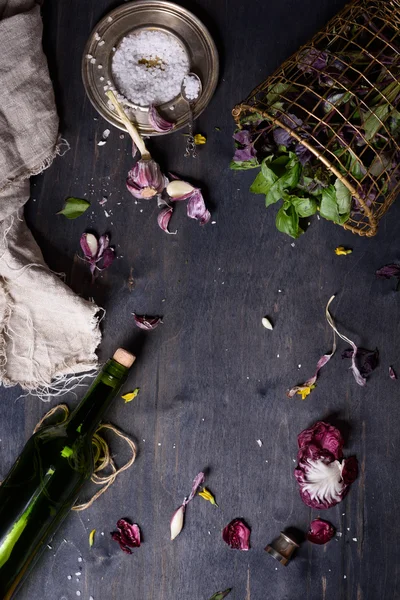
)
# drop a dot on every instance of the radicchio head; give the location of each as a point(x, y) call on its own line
point(322, 474)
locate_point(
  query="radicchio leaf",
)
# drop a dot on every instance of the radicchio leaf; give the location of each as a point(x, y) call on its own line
point(158, 122)
point(237, 535)
point(320, 531)
point(128, 535)
point(349, 470)
point(323, 435)
point(147, 323)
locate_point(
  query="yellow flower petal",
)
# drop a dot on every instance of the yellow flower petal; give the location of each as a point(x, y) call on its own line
point(200, 139)
point(305, 391)
point(341, 251)
point(130, 395)
point(207, 495)
point(91, 537)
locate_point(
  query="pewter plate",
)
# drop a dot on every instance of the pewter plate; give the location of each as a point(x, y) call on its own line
point(149, 14)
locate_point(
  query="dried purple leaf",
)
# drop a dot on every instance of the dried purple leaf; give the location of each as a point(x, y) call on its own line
point(368, 360)
point(237, 535)
point(145, 180)
point(146, 323)
point(128, 535)
point(392, 373)
point(163, 219)
point(158, 122)
point(197, 482)
point(320, 531)
point(388, 271)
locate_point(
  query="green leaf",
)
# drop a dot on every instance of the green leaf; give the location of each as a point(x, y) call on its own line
point(74, 207)
point(260, 185)
point(221, 595)
point(379, 165)
point(287, 221)
point(305, 207)
point(275, 91)
point(283, 173)
point(343, 197)
point(373, 120)
point(237, 165)
point(329, 208)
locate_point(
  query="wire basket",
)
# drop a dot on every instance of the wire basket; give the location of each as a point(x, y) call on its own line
point(337, 98)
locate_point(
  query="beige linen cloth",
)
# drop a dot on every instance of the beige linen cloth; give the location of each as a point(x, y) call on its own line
point(46, 332)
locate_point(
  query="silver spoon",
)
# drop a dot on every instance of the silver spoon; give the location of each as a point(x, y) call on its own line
point(190, 145)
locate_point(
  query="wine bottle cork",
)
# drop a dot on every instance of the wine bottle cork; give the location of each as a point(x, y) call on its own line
point(124, 358)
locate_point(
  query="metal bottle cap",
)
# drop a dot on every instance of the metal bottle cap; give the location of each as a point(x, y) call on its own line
point(282, 548)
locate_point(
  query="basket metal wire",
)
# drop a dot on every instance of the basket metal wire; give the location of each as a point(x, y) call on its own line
point(369, 27)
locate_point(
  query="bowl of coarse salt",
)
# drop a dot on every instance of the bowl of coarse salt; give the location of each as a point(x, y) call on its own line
point(143, 51)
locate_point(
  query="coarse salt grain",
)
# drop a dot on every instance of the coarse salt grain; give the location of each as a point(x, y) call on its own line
point(149, 66)
point(191, 85)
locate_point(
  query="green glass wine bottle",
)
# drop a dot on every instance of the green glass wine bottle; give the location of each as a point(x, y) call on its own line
point(45, 481)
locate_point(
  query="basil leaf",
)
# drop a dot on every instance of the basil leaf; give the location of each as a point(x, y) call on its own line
point(305, 207)
point(74, 207)
point(373, 120)
point(275, 91)
point(287, 221)
point(221, 595)
point(283, 173)
point(343, 197)
point(329, 206)
point(244, 165)
point(260, 185)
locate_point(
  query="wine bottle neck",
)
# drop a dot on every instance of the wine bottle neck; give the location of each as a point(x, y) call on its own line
point(86, 417)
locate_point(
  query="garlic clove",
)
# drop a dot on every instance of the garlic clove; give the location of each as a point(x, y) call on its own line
point(177, 522)
point(179, 190)
point(267, 323)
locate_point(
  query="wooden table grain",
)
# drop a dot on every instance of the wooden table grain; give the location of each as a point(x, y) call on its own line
point(212, 379)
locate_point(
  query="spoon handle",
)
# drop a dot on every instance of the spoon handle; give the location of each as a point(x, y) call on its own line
point(190, 144)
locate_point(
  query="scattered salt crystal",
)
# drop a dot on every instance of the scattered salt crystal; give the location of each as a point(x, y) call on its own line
point(279, 291)
point(91, 598)
point(107, 214)
point(121, 137)
point(318, 217)
point(97, 37)
point(213, 222)
point(344, 576)
point(191, 85)
point(69, 576)
point(106, 133)
point(294, 460)
point(99, 66)
point(78, 593)
point(299, 366)
point(293, 244)
point(148, 67)
point(78, 573)
point(259, 442)
point(101, 78)
point(339, 534)
point(159, 443)
point(109, 19)
point(354, 539)
point(277, 356)
point(102, 533)
point(80, 558)
point(77, 580)
point(101, 43)
point(348, 528)
point(101, 142)
point(89, 56)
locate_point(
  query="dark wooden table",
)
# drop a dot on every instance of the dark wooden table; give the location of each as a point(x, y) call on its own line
point(212, 379)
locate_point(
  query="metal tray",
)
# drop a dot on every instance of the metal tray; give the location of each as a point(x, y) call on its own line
point(152, 14)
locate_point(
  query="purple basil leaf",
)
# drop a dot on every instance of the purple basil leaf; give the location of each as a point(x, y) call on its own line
point(389, 271)
point(282, 137)
point(242, 137)
point(244, 154)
